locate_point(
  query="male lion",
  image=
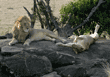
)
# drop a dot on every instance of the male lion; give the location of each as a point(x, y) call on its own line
point(39, 34)
point(82, 42)
point(20, 31)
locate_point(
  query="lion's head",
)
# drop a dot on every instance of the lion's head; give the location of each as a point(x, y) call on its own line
point(21, 28)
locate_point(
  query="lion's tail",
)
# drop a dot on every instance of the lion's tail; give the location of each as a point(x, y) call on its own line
point(56, 37)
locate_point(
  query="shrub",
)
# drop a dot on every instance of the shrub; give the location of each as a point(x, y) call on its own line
point(82, 10)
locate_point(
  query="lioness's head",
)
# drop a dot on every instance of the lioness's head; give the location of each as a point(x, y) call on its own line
point(23, 24)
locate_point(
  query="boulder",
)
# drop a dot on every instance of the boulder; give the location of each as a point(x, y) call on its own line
point(97, 72)
point(10, 50)
point(65, 61)
point(24, 64)
point(71, 71)
point(53, 74)
point(57, 58)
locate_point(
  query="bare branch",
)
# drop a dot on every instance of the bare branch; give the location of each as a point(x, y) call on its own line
point(27, 12)
point(90, 14)
point(45, 13)
point(48, 9)
point(39, 15)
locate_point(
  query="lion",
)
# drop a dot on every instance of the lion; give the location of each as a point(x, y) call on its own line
point(20, 31)
point(82, 42)
point(40, 34)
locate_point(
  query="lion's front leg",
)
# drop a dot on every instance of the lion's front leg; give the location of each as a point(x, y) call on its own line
point(13, 41)
point(27, 42)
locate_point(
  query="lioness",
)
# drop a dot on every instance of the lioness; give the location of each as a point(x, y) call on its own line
point(82, 42)
point(20, 31)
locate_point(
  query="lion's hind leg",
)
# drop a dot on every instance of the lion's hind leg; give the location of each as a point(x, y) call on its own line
point(14, 41)
point(49, 38)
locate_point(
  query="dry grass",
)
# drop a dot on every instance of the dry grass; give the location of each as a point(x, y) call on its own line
point(5, 28)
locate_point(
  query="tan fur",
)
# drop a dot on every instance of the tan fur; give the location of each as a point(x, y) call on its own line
point(39, 34)
point(20, 30)
point(82, 42)
point(19, 33)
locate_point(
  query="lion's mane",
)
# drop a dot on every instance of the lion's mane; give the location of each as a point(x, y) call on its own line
point(21, 25)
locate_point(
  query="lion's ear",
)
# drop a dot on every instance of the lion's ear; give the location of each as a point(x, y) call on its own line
point(18, 25)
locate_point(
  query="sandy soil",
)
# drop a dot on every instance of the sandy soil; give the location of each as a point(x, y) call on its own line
point(12, 9)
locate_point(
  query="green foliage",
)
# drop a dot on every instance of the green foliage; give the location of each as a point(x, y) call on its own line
point(82, 10)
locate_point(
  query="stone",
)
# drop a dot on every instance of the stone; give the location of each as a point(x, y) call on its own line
point(24, 64)
point(71, 71)
point(62, 58)
point(10, 50)
point(97, 72)
point(53, 74)
point(3, 37)
point(57, 58)
point(9, 35)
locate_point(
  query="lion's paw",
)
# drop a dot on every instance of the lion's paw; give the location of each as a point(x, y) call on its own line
point(26, 44)
point(10, 43)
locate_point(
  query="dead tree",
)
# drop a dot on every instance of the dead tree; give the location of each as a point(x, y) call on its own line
point(50, 18)
point(42, 7)
point(33, 16)
point(48, 15)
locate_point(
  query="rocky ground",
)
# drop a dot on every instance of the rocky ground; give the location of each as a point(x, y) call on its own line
point(45, 59)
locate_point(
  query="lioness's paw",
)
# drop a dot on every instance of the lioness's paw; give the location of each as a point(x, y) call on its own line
point(54, 40)
point(26, 44)
point(64, 40)
point(59, 44)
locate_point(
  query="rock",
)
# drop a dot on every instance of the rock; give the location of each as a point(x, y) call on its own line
point(9, 35)
point(24, 64)
point(10, 50)
point(3, 37)
point(4, 42)
point(97, 72)
point(53, 74)
point(57, 58)
point(63, 57)
point(71, 71)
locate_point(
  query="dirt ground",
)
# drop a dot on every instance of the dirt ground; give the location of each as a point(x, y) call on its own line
point(12, 9)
